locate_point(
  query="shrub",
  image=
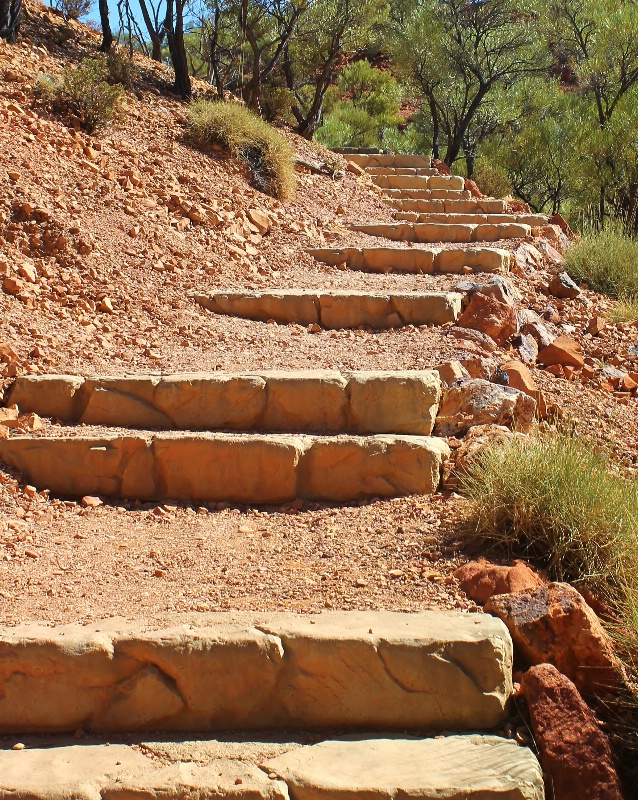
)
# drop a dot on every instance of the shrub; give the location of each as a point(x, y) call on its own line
point(85, 92)
point(248, 138)
point(626, 310)
point(120, 68)
point(553, 501)
point(492, 179)
point(607, 261)
point(74, 9)
point(276, 104)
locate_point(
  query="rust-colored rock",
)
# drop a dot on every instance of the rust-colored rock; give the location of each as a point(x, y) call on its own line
point(575, 753)
point(481, 579)
point(563, 350)
point(489, 315)
point(553, 624)
point(520, 378)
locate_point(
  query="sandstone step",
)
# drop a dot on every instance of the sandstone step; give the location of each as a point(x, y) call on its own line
point(450, 206)
point(452, 767)
point(335, 309)
point(346, 670)
point(388, 160)
point(302, 400)
point(427, 194)
point(402, 171)
point(470, 767)
point(225, 467)
point(533, 220)
point(430, 233)
point(453, 183)
point(415, 259)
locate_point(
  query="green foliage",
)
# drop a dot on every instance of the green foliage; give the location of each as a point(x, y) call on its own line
point(276, 103)
point(74, 9)
point(552, 500)
point(492, 179)
point(363, 104)
point(248, 138)
point(120, 68)
point(625, 310)
point(84, 92)
point(607, 261)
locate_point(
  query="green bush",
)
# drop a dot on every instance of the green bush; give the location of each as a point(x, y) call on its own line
point(85, 92)
point(553, 501)
point(607, 261)
point(120, 68)
point(246, 137)
point(276, 103)
point(74, 9)
point(492, 179)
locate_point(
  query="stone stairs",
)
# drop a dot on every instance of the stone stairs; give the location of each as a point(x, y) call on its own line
point(387, 705)
point(258, 438)
point(435, 209)
point(356, 704)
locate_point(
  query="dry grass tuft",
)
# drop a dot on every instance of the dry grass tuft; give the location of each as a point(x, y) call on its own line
point(607, 261)
point(246, 136)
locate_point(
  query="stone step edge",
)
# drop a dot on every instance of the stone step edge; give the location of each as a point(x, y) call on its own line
point(253, 469)
point(426, 260)
point(470, 766)
point(340, 670)
point(336, 310)
point(323, 401)
point(431, 232)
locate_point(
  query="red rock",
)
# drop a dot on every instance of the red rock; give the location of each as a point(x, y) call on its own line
point(491, 316)
point(556, 370)
point(569, 372)
point(596, 325)
point(481, 579)
point(576, 756)
point(563, 286)
point(520, 377)
point(627, 384)
point(470, 186)
point(451, 371)
point(553, 624)
point(563, 350)
point(562, 223)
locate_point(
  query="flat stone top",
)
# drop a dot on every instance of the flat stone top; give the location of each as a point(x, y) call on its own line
point(341, 293)
point(454, 767)
point(293, 374)
point(369, 626)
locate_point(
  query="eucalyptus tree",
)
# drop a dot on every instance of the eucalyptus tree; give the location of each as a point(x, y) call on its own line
point(456, 53)
point(330, 32)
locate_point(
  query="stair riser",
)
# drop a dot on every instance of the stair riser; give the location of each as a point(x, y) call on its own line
point(331, 311)
point(426, 194)
point(319, 401)
point(450, 183)
point(533, 220)
point(413, 260)
point(340, 670)
point(382, 160)
point(456, 234)
point(247, 469)
point(468, 206)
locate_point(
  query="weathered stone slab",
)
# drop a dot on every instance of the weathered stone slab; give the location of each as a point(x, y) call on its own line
point(89, 772)
point(452, 206)
point(348, 670)
point(451, 183)
point(430, 232)
point(533, 220)
point(389, 160)
point(238, 468)
point(401, 171)
point(344, 309)
point(274, 401)
point(446, 768)
point(427, 194)
point(417, 260)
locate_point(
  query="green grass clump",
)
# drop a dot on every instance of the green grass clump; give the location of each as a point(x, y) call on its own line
point(247, 137)
point(607, 261)
point(85, 92)
point(553, 501)
point(626, 310)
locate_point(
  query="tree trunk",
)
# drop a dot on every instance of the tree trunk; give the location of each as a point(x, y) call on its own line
point(107, 33)
point(10, 16)
point(174, 28)
point(156, 39)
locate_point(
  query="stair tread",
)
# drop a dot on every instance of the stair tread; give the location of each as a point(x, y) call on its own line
point(453, 767)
